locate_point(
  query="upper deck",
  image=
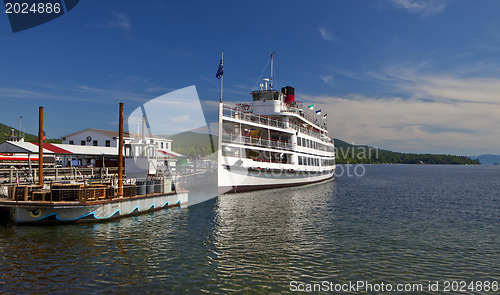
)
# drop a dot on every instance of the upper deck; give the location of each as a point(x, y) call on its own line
point(243, 112)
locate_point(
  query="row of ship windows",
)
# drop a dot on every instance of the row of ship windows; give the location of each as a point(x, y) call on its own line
point(313, 144)
point(308, 161)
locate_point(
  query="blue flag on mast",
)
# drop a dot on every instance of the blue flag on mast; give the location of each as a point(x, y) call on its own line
point(220, 71)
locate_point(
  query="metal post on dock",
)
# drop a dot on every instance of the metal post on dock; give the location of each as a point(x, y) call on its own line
point(120, 154)
point(40, 146)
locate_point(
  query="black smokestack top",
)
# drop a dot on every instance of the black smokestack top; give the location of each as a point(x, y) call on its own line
point(289, 90)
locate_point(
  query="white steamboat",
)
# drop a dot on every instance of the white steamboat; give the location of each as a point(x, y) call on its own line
point(272, 142)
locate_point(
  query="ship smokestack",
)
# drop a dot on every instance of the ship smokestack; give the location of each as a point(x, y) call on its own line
point(289, 93)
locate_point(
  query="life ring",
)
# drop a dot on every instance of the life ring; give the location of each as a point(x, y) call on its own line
point(35, 213)
point(289, 104)
point(246, 107)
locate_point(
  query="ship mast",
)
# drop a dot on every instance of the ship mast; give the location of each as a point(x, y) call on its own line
point(271, 84)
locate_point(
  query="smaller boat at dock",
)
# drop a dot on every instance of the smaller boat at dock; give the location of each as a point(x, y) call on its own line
point(98, 200)
point(74, 202)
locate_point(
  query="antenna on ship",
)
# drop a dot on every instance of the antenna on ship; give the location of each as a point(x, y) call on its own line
point(20, 132)
point(265, 80)
point(271, 84)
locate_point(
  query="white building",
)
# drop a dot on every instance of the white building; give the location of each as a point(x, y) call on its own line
point(105, 138)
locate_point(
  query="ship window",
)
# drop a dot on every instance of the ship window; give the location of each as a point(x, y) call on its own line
point(108, 143)
point(300, 160)
point(152, 153)
point(266, 95)
point(127, 151)
point(71, 142)
point(82, 142)
point(94, 143)
point(299, 141)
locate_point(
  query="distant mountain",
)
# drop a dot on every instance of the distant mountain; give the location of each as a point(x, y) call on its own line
point(197, 143)
point(213, 129)
point(489, 159)
point(192, 144)
point(354, 154)
point(7, 130)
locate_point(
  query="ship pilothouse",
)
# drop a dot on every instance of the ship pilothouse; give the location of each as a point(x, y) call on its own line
point(273, 133)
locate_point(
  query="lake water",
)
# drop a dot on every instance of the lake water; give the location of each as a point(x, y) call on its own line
point(396, 224)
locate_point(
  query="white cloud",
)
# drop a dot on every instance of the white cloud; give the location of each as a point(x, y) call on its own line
point(326, 35)
point(444, 115)
point(443, 86)
point(181, 119)
point(328, 79)
point(422, 7)
point(117, 20)
point(120, 21)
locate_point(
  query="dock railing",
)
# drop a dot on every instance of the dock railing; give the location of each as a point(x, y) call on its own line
point(25, 175)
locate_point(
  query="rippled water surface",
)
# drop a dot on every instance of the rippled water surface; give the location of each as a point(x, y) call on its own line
point(396, 224)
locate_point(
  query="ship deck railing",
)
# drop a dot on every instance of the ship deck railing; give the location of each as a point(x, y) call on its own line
point(300, 112)
point(282, 163)
point(257, 141)
point(245, 115)
point(288, 107)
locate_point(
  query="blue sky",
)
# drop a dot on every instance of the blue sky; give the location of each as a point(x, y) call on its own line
point(406, 75)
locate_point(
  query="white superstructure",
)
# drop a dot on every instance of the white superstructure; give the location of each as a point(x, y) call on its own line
point(272, 142)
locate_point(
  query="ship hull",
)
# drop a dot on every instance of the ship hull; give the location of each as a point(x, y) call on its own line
point(234, 179)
